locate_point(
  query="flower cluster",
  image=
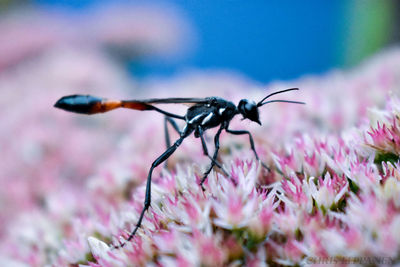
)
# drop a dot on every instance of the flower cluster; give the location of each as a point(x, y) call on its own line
point(73, 188)
point(384, 136)
point(325, 177)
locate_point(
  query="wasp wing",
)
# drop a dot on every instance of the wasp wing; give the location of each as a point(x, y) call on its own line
point(175, 100)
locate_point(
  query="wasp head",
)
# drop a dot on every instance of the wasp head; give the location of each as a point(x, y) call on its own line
point(249, 110)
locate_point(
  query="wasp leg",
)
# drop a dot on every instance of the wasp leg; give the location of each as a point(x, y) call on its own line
point(205, 151)
point(214, 158)
point(167, 137)
point(251, 143)
point(147, 199)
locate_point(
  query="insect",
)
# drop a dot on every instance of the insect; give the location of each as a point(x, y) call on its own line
point(205, 113)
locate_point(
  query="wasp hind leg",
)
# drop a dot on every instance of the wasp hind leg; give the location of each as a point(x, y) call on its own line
point(166, 133)
point(147, 199)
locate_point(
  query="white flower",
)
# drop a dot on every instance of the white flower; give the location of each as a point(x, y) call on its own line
point(98, 248)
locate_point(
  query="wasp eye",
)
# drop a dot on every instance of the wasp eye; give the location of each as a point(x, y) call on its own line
point(249, 106)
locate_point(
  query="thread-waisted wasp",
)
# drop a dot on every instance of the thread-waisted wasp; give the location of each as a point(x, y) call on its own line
point(205, 113)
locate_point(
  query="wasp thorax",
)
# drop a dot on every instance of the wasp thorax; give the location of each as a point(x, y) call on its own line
point(249, 110)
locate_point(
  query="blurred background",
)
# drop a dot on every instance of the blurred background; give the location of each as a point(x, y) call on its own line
point(263, 40)
point(57, 164)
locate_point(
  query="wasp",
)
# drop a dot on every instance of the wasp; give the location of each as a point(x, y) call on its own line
point(205, 113)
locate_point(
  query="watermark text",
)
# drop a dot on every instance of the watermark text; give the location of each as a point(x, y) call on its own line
point(350, 260)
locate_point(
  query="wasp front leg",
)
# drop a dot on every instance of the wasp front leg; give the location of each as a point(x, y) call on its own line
point(241, 132)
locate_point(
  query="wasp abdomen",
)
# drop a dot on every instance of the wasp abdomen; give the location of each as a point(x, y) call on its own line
point(86, 104)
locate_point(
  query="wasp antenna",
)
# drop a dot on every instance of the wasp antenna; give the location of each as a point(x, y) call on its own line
point(275, 93)
point(284, 101)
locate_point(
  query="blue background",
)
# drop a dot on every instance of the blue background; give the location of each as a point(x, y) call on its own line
point(266, 40)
